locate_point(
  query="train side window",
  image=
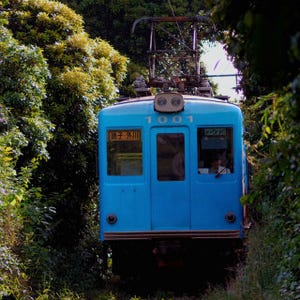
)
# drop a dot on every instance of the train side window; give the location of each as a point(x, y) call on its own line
point(215, 150)
point(170, 156)
point(124, 152)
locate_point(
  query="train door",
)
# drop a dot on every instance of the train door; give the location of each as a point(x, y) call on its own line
point(170, 192)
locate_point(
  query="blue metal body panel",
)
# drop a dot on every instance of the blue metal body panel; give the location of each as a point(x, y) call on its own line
point(145, 205)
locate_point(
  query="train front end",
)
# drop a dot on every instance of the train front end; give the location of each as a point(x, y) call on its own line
point(172, 170)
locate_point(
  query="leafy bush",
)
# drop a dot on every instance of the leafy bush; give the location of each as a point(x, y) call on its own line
point(53, 163)
point(274, 151)
point(24, 133)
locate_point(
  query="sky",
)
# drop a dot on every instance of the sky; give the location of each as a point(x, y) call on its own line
point(217, 63)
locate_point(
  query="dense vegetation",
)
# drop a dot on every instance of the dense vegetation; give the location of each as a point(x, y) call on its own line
point(265, 43)
point(54, 79)
point(55, 76)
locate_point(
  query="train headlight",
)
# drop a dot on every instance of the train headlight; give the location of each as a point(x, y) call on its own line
point(169, 102)
point(161, 101)
point(230, 217)
point(176, 101)
point(111, 219)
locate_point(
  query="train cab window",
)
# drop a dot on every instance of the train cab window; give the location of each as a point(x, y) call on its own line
point(215, 150)
point(124, 152)
point(170, 156)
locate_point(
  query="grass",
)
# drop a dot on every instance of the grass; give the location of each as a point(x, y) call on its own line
point(256, 280)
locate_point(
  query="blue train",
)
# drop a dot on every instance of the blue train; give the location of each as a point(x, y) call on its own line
point(172, 171)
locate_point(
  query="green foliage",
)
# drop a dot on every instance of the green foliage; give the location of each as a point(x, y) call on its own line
point(259, 39)
point(114, 20)
point(24, 133)
point(39, 22)
point(265, 47)
point(257, 278)
point(80, 76)
point(23, 72)
point(59, 31)
point(12, 277)
point(276, 189)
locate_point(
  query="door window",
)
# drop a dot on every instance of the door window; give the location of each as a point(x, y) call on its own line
point(170, 156)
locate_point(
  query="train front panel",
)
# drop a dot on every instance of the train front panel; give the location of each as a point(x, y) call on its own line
point(171, 174)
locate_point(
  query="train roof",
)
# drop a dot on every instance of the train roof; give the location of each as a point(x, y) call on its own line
point(186, 97)
point(146, 103)
point(192, 105)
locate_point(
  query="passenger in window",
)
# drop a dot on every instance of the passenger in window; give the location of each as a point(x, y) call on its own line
point(217, 167)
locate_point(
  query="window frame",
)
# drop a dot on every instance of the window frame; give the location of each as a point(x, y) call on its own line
point(171, 165)
point(218, 147)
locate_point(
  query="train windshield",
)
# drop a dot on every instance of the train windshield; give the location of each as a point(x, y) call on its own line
point(124, 152)
point(170, 156)
point(215, 150)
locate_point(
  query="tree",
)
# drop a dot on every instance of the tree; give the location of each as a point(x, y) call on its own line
point(24, 134)
point(84, 77)
point(113, 20)
point(263, 37)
